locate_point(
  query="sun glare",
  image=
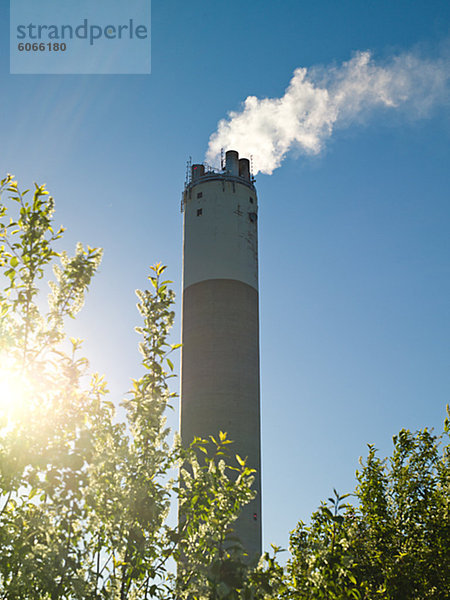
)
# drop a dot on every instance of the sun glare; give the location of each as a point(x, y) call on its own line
point(9, 394)
point(12, 390)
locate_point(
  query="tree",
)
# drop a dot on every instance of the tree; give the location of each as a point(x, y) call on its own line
point(394, 542)
point(84, 497)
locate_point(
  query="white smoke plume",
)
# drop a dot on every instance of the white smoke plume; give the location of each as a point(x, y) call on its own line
point(320, 99)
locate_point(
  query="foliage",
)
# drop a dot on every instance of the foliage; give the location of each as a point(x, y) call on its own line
point(322, 563)
point(394, 542)
point(402, 541)
point(212, 563)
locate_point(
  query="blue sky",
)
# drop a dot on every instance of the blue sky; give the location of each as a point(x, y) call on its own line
point(354, 251)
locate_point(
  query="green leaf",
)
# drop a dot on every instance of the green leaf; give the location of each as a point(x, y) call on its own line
point(240, 460)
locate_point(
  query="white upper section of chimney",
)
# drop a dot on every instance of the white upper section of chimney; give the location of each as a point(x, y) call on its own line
point(220, 232)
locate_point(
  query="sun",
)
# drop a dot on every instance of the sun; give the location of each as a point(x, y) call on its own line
point(12, 391)
point(9, 393)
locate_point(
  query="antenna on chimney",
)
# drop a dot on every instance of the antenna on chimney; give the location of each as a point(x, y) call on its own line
point(188, 172)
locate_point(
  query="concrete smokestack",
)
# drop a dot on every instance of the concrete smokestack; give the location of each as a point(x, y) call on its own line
point(220, 327)
point(232, 162)
point(244, 168)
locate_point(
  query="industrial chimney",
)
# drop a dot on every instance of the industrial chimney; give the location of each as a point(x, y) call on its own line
point(220, 327)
